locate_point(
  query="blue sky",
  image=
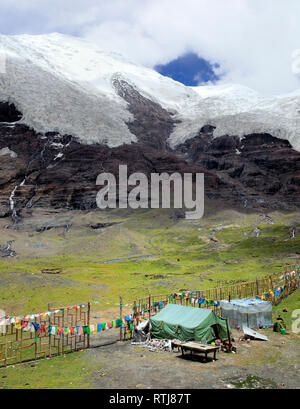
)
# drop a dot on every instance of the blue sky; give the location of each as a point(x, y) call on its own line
point(250, 42)
point(190, 69)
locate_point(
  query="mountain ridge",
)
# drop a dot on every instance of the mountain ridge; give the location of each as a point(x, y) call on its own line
point(66, 119)
point(65, 84)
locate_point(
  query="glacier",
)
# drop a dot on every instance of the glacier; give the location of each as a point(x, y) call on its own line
point(64, 84)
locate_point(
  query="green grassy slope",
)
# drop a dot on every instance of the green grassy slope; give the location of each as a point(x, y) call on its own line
point(217, 250)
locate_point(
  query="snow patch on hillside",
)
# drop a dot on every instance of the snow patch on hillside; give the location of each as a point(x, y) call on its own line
point(237, 110)
point(64, 84)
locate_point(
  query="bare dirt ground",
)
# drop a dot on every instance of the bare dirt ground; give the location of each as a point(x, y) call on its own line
point(274, 364)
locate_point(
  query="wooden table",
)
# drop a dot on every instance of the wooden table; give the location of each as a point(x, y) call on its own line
point(195, 347)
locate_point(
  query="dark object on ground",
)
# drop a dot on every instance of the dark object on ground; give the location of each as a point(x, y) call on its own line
point(142, 332)
point(227, 346)
point(102, 225)
point(279, 324)
point(265, 325)
point(52, 271)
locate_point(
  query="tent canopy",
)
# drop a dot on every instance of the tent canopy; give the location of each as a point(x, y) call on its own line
point(188, 323)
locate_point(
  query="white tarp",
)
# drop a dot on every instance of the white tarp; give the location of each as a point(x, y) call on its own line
point(254, 334)
point(248, 312)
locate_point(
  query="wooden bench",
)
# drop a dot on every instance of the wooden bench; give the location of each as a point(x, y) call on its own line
point(195, 347)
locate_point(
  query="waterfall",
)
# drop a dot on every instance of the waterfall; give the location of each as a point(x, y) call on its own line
point(12, 201)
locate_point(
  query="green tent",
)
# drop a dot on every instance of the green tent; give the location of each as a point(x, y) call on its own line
point(188, 323)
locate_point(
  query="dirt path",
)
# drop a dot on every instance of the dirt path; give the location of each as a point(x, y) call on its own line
point(275, 363)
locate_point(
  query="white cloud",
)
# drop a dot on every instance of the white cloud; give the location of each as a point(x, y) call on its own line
point(253, 40)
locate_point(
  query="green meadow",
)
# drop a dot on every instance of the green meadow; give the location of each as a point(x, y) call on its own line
point(143, 252)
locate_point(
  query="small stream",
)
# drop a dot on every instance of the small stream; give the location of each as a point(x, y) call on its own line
point(119, 260)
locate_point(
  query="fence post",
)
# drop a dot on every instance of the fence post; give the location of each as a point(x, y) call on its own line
point(121, 313)
point(88, 322)
point(149, 310)
point(5, 348)
point(49, 322)
point(63, 337)
point(228, 333)
point(271, 281)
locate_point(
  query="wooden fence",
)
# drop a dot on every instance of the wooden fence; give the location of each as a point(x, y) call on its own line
point(147, 306)
point(20, 345)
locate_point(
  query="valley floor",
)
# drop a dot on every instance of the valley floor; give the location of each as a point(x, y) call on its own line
point(113, 364)
point(132, 253)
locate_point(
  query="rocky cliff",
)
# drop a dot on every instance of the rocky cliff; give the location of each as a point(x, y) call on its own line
point(65, 119)
point(50, 170)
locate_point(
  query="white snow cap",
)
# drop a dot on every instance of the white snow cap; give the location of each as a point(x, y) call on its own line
point(64, 84)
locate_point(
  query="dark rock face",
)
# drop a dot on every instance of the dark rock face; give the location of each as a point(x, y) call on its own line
point(51, 170)
point(9, 113)
point(261, 170)
point(69, 181)
point(152, 125)
point(6, 251)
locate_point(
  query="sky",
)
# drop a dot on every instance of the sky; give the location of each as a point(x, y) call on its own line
point(252, 42)
point(190, 69)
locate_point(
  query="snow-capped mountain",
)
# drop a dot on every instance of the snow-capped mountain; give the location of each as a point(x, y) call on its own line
point(68, 112)
point(67, 85)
